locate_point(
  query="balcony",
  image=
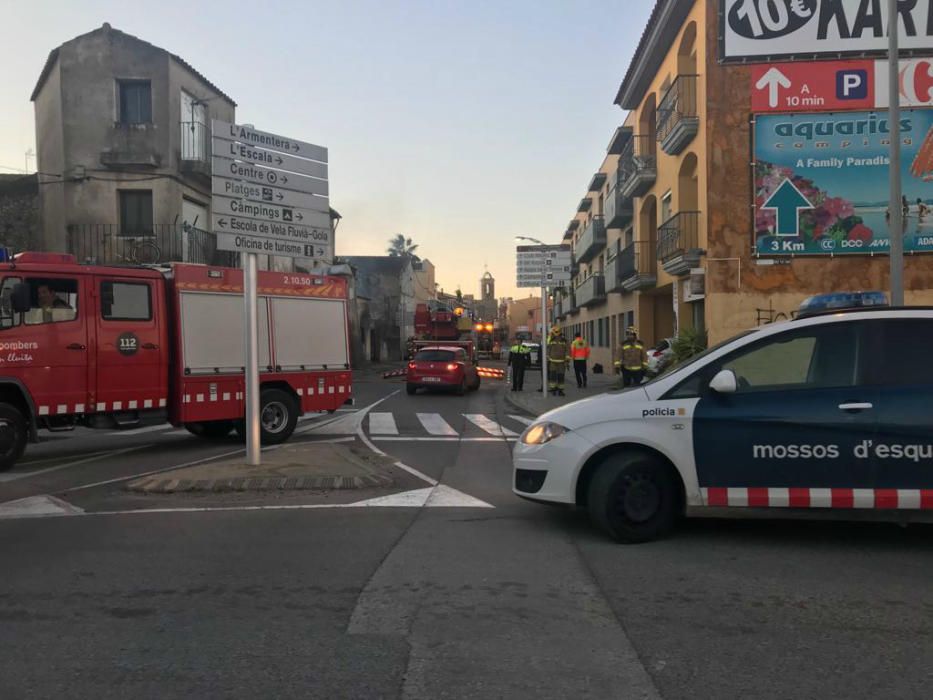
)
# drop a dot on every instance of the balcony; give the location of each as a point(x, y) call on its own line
point(618, 207)
point(569, 303)
point(195, 140)
point(131, 145)
point(591, 241)
point(638, 266)
point(591, 291)
point(639, 166)
point(161, 243)
point(679, 243)
point(677, 115)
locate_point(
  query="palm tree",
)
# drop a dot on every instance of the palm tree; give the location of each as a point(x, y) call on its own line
point(399, 246)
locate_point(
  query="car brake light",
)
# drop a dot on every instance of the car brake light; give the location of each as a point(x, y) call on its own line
point(411, 365)
point(451, 367)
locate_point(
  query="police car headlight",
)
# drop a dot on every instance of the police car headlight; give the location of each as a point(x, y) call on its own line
point(540, 433)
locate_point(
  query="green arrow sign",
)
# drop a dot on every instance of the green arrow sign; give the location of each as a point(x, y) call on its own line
point(787, 201)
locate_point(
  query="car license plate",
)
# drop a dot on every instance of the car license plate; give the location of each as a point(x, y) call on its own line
point(431, 379)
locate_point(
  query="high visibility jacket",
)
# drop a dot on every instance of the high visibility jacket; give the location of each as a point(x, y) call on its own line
point(579, 349)
point(519, 355)
point(556, 349)
point(634, 357)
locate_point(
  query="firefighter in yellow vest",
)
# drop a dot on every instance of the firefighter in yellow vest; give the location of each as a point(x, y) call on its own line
point(579, 353)
point(633, 358)
point(556, 361)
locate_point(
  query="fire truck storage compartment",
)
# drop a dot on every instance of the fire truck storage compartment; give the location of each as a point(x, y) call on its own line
point(299, 342)
point(212, 330)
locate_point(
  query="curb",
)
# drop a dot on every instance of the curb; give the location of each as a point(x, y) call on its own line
point(513, 402)
point(239, 484)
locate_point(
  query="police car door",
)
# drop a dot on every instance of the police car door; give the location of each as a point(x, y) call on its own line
point(787, 436)
point(903, 373)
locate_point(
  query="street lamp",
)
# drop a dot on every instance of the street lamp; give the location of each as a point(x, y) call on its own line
point(543, 320)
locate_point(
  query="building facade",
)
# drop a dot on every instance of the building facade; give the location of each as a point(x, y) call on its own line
point(665, 236)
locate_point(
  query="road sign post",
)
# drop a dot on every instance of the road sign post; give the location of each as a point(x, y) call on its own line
point(251, 392)
point(896, 232)
point(269, 198)
point(544, 335)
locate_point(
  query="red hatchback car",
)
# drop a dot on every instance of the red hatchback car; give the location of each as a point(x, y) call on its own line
point(442, 367)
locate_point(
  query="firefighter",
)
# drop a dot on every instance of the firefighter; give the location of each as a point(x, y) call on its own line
point(518, 361)
point(579, 353)
point(556, 361)
point(633, 358)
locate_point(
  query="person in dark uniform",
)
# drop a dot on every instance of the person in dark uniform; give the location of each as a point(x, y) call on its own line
point(518, 361)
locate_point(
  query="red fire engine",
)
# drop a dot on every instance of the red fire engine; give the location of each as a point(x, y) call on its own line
point(105, 346)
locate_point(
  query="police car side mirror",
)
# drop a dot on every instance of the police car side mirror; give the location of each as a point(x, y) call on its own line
point(19, 299)
point(724, 382)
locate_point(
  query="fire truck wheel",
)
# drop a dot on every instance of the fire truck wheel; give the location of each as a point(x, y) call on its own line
point(211, 430)
point(12, 436)
point(278, 416)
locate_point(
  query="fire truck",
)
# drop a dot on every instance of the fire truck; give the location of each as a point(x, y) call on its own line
point(107, 346)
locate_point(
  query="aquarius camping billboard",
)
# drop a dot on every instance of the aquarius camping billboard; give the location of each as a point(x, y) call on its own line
point(821, 182)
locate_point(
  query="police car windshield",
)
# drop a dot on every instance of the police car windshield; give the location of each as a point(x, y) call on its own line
point(699, 356)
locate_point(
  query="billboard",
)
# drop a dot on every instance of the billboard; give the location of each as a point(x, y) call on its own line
point(821, 182)
point(760, 30)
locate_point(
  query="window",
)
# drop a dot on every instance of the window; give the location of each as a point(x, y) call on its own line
point(823, 357)
point(136, 212)
point(666, 206)
point(135, 101)
point(51, 300)
point(434, 356)
point(906, 356)
point(125, 301)
point(7, 318)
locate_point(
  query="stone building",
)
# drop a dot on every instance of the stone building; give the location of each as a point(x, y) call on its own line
point(19, 211)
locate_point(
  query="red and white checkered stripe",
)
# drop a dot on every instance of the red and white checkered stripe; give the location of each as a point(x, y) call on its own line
point(101, 407)
point(776, 497)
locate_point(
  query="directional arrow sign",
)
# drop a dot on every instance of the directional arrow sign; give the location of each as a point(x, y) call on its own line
point(773, 80)
point(262, 175)
point(267, 141)
point(268, 159)
point(271, 195)
point(270, 212)
point(243, 243)
point(787, 201)
point(306, 235)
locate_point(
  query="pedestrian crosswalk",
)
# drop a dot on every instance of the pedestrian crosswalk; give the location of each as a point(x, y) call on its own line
point(479, 427)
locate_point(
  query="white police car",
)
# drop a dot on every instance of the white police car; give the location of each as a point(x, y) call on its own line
point(833, 410)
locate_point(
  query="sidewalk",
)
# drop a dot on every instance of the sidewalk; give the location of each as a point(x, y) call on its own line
point(531, 401)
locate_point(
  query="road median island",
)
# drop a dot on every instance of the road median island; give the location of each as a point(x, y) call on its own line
point(302, 466)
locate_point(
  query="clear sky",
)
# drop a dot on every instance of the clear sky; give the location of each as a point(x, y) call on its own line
point(459, 124)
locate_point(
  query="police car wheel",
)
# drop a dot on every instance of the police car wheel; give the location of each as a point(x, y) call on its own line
point(633, 498)
point(12, 436)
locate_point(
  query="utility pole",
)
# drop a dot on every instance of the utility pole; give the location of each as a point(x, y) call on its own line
point(895, 216)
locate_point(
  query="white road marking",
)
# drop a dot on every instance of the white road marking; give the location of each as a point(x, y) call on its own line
point(490, 426)
point(382, 424)
point(89, 458)
point(446, 497)
point(43, 506)
point(403, 438)
point(348, 424)
point(434, 424)
point(521, 419)
point(146, 429)
point(415, 472)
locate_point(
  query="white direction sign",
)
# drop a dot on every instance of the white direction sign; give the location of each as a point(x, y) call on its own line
point(270, 212)
point(267, 141)
point(262, 175)
point(265, 193)
point(245, 243)
point(269, 159)
point(306, 235)
point(543, 265)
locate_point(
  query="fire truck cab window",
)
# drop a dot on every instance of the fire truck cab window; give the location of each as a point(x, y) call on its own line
point(125, 301)
point(8, 318)
point(52, 300)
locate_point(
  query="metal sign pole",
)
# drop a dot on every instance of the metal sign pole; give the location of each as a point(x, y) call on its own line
point(253, 456)
point(543, 340)
point(895, 216)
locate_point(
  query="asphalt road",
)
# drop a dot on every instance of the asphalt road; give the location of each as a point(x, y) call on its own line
point(476, 594)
